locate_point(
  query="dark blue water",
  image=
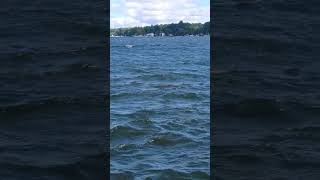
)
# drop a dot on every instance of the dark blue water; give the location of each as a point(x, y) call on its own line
point(160, 108)
point(266, 89)
point(52, 90)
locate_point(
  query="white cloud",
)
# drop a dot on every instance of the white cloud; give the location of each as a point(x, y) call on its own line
point(128, 13)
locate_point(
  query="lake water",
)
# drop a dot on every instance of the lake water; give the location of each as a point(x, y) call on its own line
point(160, 96)
point(53, 87)
point(266, 93)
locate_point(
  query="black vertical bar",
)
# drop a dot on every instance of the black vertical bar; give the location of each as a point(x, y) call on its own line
point(212, 55)
point(108, 87)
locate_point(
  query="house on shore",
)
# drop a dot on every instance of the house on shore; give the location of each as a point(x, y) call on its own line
point(150, 34)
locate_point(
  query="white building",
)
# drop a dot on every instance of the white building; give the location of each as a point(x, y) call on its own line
point(150, 34)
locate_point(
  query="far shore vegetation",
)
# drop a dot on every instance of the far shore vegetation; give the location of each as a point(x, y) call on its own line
point(173, 29)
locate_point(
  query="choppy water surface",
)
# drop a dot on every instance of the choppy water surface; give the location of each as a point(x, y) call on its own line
point(266, 100)
point(52, 88)
point(160, 108)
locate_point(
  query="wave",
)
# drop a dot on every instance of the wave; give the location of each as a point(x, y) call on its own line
point(164, 86)
point(80, 67)
point(169, 76)
point(186, 96)
point(125, 131)
point(245, 158)
point(173, 174)
point(76, 69)
point(265, 44)
point(259, 107)
point(142, 121)
point(136, 45)
point(158, 77)
point(123, 175)
point(169, 139)
point(142, 114)
point(84, 168)
point(86, 28)
point(46, 104)
point(126, 147)
point(21, 52)
point(122, 95)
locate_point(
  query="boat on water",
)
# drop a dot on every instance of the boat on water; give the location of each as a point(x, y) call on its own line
point(129, 46)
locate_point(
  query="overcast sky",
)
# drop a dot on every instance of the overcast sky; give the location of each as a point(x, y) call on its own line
point(130, 13)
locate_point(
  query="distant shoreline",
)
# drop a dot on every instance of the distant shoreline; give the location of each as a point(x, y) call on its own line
point(173, 29)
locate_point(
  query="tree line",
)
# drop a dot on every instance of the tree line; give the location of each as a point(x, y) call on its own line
point(174, 29)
